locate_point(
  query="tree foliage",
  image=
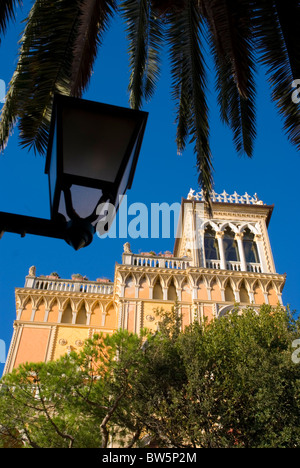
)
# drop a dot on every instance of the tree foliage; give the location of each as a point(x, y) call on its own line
point(228, 383)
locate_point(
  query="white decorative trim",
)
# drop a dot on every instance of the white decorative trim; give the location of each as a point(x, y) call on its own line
point(226, 198)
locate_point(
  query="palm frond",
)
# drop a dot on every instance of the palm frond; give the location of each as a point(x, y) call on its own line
point(7, 12)
point(144, 32)
point(289, 21)
point(277, 27)
point(43, 69)
point(155, 39)
point(231, 30)
point(94, 20)
point(189, 87)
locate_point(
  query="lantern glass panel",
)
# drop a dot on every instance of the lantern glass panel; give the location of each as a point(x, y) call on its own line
point(84, 201)
point(94, 144)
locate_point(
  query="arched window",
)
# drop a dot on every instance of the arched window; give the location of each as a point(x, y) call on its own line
point(67, 315)
point(230, 246)
point(81, 316)
point(186, 292)
point(258, 294)
point(211, 244)
point(229, 294)
point(215, 292)
point(129, 287)
point(172, 293)
point(244, 296)
point(144, 288)
point(250, 247)
point(157, 291)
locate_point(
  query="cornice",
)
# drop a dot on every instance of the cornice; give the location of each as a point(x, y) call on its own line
point(71, 294)
point(199, 271)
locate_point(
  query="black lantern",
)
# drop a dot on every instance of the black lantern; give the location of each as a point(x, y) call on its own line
point(91, 159)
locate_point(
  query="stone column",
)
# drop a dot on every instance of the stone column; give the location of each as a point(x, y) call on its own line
point(46, 315)
point(219, 236)
point(239, 238)
point(33, 314)
point(258, 239)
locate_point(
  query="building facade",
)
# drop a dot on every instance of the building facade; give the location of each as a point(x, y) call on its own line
point(222, 257)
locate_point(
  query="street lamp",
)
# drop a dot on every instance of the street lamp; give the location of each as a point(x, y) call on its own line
point(92, 154)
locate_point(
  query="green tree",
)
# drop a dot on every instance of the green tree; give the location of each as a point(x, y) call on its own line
point(227, 383)
point(62, 37)
point(75, 401)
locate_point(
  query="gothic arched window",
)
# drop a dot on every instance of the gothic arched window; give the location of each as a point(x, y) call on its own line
point(230, 246)
point(211, 244)
point(250, 247)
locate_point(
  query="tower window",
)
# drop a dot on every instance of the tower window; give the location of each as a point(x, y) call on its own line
point(230, 246)
point(250, 247)
point(211, 245)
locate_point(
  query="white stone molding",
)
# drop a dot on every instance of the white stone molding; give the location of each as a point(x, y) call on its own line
point(225, 197)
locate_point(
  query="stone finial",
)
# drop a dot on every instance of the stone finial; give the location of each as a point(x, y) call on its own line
point(127, 248)
point(226, 197)
point(32, 271)
point(191, 195)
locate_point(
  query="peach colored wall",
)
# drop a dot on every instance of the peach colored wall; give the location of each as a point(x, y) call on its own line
point(26, 314)
point(272, 296)
point(208, 312)
point(216, 293)
point(149, 310)
point(202, 291)
point(111, 318)
point(71, 337)
point(258, 296)
point(131, 317)
point(185, 314)
point(40, 313)
point(144, 289)
point(96, 317)
point(186, 295)
point(53, 313)
point(32, 346)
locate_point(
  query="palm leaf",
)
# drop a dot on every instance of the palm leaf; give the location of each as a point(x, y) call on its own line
point(7, 12)
point(93, 22)
point(289, 19)
point(144, 33)
point(189, 87)
point(43, 69)
point(155, 39)
point(230, 26)
point(231, 37)
point(277, 39)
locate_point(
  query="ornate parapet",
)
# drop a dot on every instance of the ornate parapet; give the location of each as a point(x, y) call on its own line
point(226, 198)
point(77, 284)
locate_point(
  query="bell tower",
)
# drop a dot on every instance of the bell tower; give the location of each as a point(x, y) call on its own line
point(232, 244)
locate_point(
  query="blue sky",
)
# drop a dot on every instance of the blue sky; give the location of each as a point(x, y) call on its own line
point(161, 176)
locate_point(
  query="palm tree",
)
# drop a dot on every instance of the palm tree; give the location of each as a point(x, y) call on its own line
point(61, 39)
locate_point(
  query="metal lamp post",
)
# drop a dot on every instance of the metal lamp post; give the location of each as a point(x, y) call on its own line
point(92, 155)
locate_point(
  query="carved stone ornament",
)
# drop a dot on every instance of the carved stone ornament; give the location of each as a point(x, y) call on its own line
point(63, 342)
point(79, 343)
point(32, 271)
point(127, 248)
point(150, 318)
